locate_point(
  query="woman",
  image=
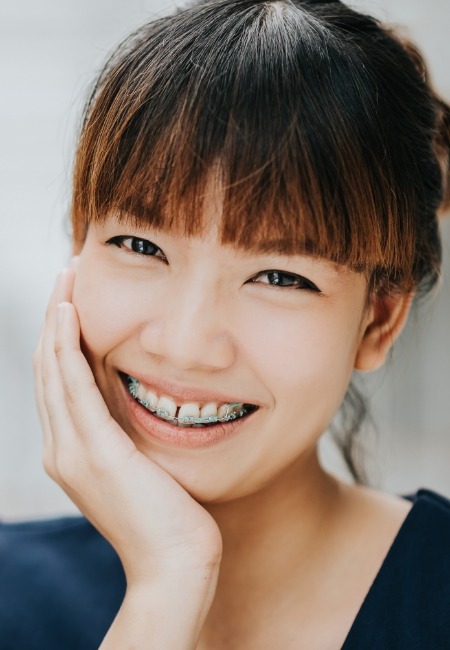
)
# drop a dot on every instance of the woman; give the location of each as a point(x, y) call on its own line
point(254, 209)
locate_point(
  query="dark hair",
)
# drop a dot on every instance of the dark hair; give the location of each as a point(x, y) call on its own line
point(318, 123)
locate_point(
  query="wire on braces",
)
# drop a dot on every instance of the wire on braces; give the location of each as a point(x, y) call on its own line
point(185, 419)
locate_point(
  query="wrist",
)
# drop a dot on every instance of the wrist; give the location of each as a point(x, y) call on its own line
point(173, 581)
point(165, 613)
point(190, 566)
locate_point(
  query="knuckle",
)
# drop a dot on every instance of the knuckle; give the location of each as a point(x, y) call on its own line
point(73, 402)
point(65, 465)
point(75, 388)
point(99, 465)
point(49, 465)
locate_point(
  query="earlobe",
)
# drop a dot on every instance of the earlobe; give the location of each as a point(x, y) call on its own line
point(386, 319)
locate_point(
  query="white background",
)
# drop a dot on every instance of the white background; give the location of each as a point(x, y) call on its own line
point(49, 53)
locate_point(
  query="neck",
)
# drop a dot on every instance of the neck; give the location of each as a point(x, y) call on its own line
point(270, 538)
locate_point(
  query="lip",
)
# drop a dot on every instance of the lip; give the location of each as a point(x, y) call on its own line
point(183, 437)
point(183, 394)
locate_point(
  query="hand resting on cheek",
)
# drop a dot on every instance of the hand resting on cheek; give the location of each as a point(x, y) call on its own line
point(157, 529)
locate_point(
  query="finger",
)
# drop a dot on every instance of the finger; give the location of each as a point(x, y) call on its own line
point(50, 392)
point(88, 410)
point(39, 396)
point(62, 291)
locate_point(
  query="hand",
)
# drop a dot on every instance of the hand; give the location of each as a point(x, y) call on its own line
point(151, 521)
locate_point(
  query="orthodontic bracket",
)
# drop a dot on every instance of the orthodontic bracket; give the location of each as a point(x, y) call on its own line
point(133, 386)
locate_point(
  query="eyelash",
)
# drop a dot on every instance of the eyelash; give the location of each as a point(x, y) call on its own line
point(296, 282)
point(277, 279)
point(143, 244)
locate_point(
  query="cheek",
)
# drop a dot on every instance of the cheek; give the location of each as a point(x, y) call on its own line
point(302, 355)
point(107, 309)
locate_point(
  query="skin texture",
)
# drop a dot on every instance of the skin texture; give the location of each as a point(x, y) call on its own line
point(289, 351)
point(257, 505)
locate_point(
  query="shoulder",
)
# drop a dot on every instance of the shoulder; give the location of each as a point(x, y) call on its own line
point(423, 545)
point(61, 584)
point(432, 505)
point(424, 539)
point(408, 605)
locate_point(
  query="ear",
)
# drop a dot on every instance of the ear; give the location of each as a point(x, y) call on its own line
point(385, 320)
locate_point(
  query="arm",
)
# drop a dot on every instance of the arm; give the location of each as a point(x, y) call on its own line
point(167, 614)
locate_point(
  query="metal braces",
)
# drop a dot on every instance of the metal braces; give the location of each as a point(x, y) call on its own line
point(133, 386)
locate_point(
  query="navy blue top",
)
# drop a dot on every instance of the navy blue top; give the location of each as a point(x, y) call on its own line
point(61, 585)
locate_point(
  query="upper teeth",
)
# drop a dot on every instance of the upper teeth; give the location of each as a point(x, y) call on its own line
point(188, 413)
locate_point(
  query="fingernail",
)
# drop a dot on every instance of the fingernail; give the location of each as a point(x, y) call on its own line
point(74, 261)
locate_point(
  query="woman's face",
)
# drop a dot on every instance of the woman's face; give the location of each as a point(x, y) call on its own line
point(198, 322)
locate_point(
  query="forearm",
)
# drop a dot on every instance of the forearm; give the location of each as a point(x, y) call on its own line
point(168, 614)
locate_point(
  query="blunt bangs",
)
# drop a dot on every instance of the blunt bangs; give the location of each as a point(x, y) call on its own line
point(282, 103)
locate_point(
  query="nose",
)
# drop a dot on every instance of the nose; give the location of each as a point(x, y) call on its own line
point(187, 329)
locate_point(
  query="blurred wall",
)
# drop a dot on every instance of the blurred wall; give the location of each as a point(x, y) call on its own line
point(50, 51)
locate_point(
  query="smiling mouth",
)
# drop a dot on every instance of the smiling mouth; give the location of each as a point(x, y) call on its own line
point(186, 415)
